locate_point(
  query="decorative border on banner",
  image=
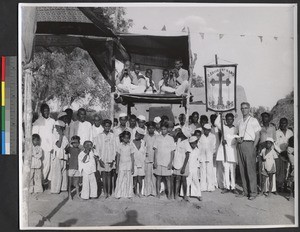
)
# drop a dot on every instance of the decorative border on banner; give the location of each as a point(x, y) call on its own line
point(205, 76)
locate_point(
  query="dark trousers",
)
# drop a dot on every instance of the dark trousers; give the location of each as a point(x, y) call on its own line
point(247, 164)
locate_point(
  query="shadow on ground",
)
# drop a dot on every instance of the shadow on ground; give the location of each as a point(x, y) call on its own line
point(52, 213)
point(131, 219)
point(68, 223)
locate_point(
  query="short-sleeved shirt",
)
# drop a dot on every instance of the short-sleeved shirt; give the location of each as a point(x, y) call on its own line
point(125, 151)
point(73, 160)
point(164, 145)
point(248, 128)
point(37, 154)
point(149, 147)
point(180, 153)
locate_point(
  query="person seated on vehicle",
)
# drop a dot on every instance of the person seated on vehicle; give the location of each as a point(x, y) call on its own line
point(150, 83)
point(177, 80)
point(131, 81)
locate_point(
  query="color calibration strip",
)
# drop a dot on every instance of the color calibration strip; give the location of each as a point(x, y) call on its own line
point(9, 105)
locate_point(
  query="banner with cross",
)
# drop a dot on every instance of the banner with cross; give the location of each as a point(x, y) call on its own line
point(220, 86)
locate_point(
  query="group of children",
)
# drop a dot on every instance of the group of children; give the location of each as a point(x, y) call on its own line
point(135, 157)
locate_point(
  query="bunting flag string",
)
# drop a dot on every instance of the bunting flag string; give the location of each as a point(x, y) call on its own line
point(221, 35)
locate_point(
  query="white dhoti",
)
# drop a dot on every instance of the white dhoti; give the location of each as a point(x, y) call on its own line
point(89, 185)
point(181, 89)
point(207, 178)
point(229, 175)
point(131, 88)
point(193, 184)
point(46, 162)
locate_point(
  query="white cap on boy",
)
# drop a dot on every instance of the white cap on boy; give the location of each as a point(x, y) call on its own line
point(122, 115)
point(193, 139)
point(142, 117)
point(60, 123)
point(157, 119)
point(140, 131)
point(207, 126)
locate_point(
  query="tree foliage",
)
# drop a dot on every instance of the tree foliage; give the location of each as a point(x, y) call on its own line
point(197, 81)
point(67, 77)
point(114, 18)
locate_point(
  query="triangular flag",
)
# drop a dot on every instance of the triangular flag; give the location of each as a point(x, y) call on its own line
point(261, 38)
point(221, 36)
point(145, 28)
point(275, 37)
point(183, 29)
point(242, 35)
point(202, 35)
point(164, 28)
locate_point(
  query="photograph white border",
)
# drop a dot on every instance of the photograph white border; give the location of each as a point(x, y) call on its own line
point(296, 210)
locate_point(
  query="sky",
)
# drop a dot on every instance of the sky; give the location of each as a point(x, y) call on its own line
point(265, 69)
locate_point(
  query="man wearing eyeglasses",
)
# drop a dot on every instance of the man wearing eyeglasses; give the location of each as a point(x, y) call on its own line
point(248, 131)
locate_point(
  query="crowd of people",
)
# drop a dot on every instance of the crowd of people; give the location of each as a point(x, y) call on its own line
point(135, 157)
point(173, 81)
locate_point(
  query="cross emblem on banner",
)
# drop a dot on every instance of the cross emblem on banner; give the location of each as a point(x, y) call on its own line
point(220, 82)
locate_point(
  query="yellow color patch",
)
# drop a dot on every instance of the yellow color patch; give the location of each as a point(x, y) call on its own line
point(2, 93)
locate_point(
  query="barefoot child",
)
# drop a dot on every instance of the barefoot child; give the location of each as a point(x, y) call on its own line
point(73, 173)
point(181, 158)
point(207, 145)
point(150, 181)
point(36, 165)
point(164, 148)
point(105, 146)
point(193, 179)
point(139, 160)
point(268, 166)
point(87, 168)
point(124, 167)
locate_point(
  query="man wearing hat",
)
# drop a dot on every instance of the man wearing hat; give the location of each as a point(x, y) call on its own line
point(58, 172)
point(207, 146)
point(142, 122)
point(122, 126)
point(267, 130)
point(157, 121)
point(44, 127)
point(193, 164)
point(248, 131)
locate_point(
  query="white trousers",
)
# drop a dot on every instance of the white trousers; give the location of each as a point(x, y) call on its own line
point(89, 186)
point(46, 161)
point(193, 183)
point(207, 177)
point(229, 175)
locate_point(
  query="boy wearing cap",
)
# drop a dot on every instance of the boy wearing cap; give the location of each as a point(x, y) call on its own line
point(73, 173)
point(150, 181)
point(58, 172)
point(105, 144)
point(164, 148)
point(44, 127)
point(193, 178)
point(81, 127)
point(139, 160)
point(268, 155)
point(207, 146)
point(157, 121)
